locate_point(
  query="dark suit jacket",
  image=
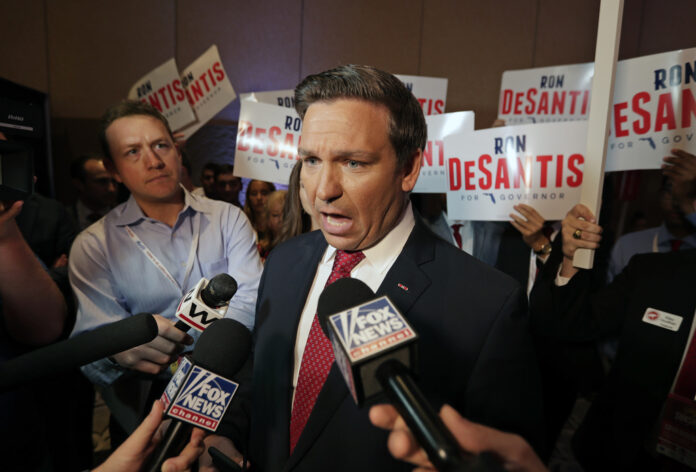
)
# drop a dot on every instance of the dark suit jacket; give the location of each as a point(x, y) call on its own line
point(475, 353)
point(622, 418)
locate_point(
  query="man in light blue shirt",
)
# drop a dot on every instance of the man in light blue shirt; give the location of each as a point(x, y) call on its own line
point(147, 252)
point(678, 231)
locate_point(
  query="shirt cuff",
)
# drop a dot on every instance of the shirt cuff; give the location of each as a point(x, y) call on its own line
point(560, 281)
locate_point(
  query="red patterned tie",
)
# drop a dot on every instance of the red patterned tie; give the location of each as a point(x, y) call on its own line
point(457, 236)
point(318, 355)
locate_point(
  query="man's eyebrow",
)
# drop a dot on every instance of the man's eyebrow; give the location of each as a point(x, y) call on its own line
point(346, 153)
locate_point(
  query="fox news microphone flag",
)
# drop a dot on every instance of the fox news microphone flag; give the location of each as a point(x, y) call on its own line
point(205, 303)
point(201, 389)
point(374, 346)
point(58, 358)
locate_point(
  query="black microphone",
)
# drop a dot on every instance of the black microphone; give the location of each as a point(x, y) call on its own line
point(58, 358)
point(201, 390)
point(372, 342)
point(198, 308)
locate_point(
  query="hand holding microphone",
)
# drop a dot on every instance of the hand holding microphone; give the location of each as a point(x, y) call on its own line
point(156, 356)
point(202, 388)
point(516, 453)
point(200, 307)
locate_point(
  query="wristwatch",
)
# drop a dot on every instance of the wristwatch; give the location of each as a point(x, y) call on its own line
point(544, 250)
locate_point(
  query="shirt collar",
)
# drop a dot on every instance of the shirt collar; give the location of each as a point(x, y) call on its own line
point(664, 237)
point(131, 213)
point(382, 255)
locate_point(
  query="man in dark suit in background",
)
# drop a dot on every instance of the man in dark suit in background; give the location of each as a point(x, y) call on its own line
point(650, 307)
point(361, 148)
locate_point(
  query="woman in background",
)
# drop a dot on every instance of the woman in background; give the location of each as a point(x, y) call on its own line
point(274, 220)
point(298, 216)
point(254, 205)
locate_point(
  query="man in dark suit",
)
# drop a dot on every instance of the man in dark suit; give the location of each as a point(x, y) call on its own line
point(361, 149)
point(650, 307)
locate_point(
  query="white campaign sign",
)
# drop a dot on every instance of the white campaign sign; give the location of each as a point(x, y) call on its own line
point(267, 140)
point(654, 110)
point(654, 104)
point(208, 88)
point(431, 92)
point(162, 88)
point(282, 98)
point(545, 94)
point(433, 174)
point(491, 170)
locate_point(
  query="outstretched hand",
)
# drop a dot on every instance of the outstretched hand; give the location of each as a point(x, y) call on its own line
point(133, 453)
point(515, 452)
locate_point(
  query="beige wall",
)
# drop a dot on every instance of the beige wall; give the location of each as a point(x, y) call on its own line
point(86, 54)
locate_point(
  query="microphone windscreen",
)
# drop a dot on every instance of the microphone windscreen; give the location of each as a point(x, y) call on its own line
point(220, 290)
point(83, 349)
point(223, 347)
point(339, 296)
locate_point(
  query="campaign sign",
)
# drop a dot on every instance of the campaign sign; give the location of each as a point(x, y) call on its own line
point(433, 174)
point(176, 381)
point(203, 399)
point(546, 94)
point(431, 92)
point(654, 110)
point(162, 88)
point(491, 170)
point(371, 328)
point(208, 88)
point(281, 98)
point(267, 139)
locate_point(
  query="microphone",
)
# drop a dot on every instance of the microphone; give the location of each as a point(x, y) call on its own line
point(205, 303)
point(201, 390)
point(374, 346)
point(58, 358)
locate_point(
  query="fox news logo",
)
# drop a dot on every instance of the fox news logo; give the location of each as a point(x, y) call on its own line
point(175, 382)
point(370, 328)
point(203, 399)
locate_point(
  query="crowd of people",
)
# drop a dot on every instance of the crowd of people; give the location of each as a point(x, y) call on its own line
point(512, 336)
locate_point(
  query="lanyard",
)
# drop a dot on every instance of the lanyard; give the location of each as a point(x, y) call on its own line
point(156, 262)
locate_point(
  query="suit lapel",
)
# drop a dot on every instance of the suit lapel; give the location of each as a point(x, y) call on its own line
point(405, 281)
point(403, 284)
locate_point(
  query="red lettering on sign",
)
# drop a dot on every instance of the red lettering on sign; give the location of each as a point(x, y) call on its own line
point(642, 97)
point(665, 112)
point(486, 181)
point(219, 72)
point(468, 175)
point(573, 162)
point(272, 133)
point(455, 173)
point(544, 161)
point(428, 154)
point(176, 85)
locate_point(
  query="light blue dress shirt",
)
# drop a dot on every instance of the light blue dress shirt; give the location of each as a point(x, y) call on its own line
point(113, 279)
point(641, 242)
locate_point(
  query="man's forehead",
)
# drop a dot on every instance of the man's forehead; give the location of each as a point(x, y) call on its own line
point(131, 128)
point(346, 124)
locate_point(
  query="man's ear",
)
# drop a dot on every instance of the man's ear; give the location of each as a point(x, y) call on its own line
point(411, 171)
point(109, 164)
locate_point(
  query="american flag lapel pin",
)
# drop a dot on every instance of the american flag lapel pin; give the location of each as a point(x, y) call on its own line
point(402, 287)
